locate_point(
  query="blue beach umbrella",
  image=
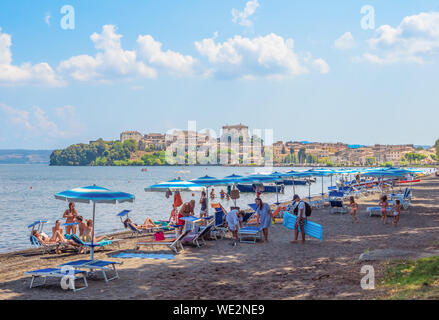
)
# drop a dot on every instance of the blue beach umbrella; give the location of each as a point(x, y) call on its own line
point(95, 195)
point(208, 181)
point(175, 185)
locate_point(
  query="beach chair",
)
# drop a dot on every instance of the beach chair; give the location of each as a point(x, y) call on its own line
point(103, 265)
point(173, 244)
point(404, 198)
point(197, 239)
point(88, 245)
point(46, 248)
point(135, 231)
point(218, 229)
point(58, 273)
point(249, 232)
point(337, 206)
point(376, 211)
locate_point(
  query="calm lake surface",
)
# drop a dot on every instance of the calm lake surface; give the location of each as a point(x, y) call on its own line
point(27, 194)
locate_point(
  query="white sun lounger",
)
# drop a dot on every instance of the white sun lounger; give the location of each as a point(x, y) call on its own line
point(102, 265)
point(376, 211)
point(174, 245)
point(58, 273)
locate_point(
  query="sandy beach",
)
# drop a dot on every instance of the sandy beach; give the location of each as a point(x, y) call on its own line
point(276, 270)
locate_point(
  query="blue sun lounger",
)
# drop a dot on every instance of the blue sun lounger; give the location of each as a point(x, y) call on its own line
point(58, 273)
point(102, 265)
point(88, 245)
point(311, 228)
point(253, 233)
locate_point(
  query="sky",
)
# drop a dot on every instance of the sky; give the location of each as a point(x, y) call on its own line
point(359, 72)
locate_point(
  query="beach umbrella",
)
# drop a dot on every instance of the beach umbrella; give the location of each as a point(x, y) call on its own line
point(175, 185)
point(208, 181)
point(233, 179)
point(94, 194)
point(320, 173)
point(264, 178)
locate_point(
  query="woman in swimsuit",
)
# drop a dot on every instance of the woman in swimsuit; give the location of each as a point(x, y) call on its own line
point(70, 214)
point(354, 207)
point(384, 204)
point(88, 234)
point(149, 224)
point(57, 238)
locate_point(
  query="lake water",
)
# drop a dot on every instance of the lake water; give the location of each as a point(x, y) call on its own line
point(27, 194)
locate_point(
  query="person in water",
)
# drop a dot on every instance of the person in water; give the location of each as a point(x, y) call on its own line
point(222, 194)
point(70, 214)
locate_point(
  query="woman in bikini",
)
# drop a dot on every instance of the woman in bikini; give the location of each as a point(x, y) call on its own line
point(354, 207)
point(384, 204)
point(149, 224)
point(70, 214)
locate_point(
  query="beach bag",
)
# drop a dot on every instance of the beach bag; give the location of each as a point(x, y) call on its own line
point(159, 236)
point(234, 194)
point(308, 209)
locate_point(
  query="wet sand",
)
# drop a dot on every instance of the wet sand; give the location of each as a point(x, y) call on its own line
point(276, 270)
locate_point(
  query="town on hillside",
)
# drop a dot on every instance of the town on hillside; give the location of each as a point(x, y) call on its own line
point(238, 141)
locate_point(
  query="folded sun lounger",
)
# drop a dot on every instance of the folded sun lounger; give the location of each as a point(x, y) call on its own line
point(173, 244)
point(58, 273)
point(311, 228)
point(376, 211)
point(102, 265)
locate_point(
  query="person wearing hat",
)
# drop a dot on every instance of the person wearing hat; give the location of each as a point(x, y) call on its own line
point(301, 218)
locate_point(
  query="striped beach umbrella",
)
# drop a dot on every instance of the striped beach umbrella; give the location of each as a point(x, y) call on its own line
point(175, 185)
point(94, 194)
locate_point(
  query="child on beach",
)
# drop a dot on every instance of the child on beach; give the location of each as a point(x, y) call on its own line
point(234, 222)
point(354, 207)
point(396, 212)
point(384, 204)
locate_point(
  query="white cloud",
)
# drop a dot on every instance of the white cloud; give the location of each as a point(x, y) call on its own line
point(244, 17)
point(110, 62)
point(345, 42)
point(150, 51)
point(37, 123)
point(26, 73)
point(414, 40)
point(265, 56)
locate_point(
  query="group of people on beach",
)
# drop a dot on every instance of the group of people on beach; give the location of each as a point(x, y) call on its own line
point(73, 220)
point(384, 204)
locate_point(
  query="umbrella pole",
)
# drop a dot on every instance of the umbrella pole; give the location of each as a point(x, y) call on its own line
point(309, 190)
point(93, 233)
point(322, 187)
point(294, 187)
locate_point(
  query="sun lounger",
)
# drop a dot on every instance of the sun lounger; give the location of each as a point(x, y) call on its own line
point(102, 265)
point(376, 211)
point(218, 230)
point(88, 245)
point(337, 206)
point(58, 273)
point(173, 244)
point(195, 238)
point(253, 233)
point(46, 247)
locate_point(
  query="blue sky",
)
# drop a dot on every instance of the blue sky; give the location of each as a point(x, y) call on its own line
point(306, 69)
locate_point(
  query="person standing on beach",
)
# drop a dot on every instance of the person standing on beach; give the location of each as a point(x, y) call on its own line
point(264, 212)
point(396, 212)
point(354, 208)
point(70, 214)
point(234, 222)
point(384, 204)
point(300, 219)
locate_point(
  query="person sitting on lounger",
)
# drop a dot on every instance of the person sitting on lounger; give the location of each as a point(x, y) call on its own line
point(57, 238)
point(149, 224)
point(88, 234)
point(234, 222)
